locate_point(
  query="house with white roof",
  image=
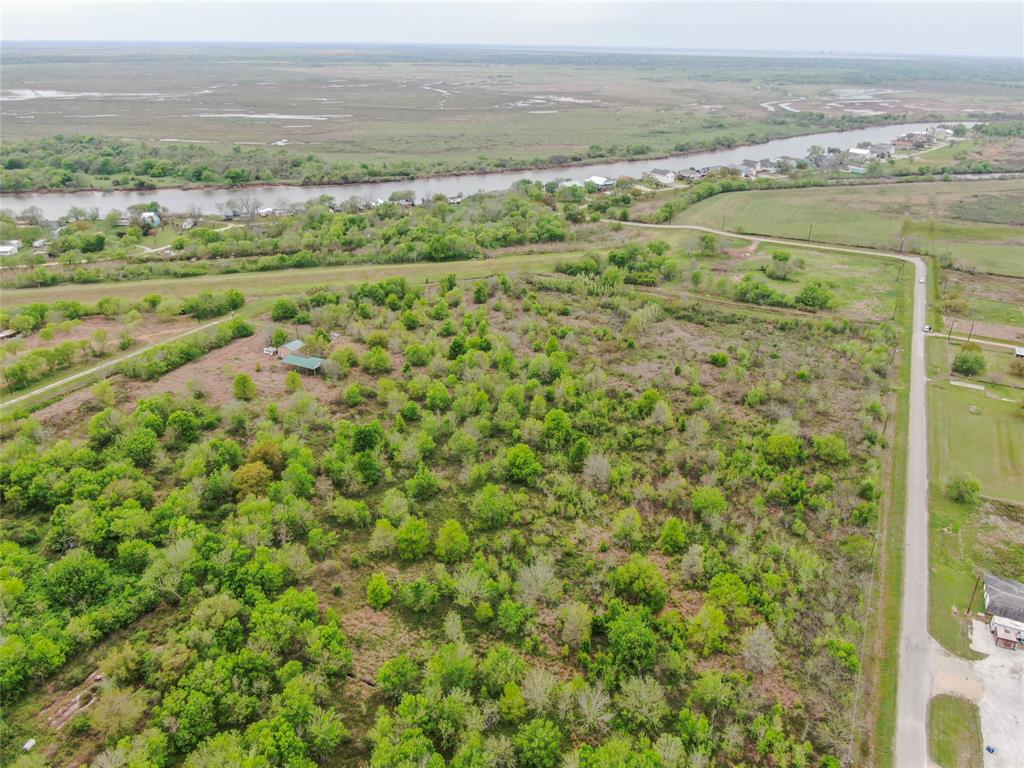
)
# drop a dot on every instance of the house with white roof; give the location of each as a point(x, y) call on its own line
point(601, 182)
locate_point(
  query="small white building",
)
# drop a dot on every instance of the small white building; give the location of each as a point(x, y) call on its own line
point(570, 184)
point(601, 182)
point(150, 218)
point(9, 247)
point(264, 211)
point(860, 153)
point(1018, 351)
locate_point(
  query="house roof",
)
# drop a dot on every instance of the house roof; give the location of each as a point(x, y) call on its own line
point(1004, 597)
point(306, 363)
point(294, 345)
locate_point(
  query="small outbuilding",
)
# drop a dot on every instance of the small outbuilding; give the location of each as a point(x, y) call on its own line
point(304, 364)
point(1004, 598)
point(1018, 351)
point(291, 348)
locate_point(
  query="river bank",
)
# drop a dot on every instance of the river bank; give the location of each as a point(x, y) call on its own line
point(55, 204)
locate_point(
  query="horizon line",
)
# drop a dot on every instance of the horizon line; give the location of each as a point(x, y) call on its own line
point(637, 50)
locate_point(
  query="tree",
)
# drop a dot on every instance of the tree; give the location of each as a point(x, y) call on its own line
point(452, 542)
point(492, 507)
point(708, 245)
point(642, 703)
point(538, 744)
point(969, 361)
point(116, 712)
point(632, 642)
point(640, 581)
point(397, 676)
point(378, 591)
point(521, 464)
point(965, 489)
point(708, 502)
point(244, 387)
point(78, 578)
point(708, 629)
point(759, 652)
point(252, 479)
point(438, 397)
point(413, 539)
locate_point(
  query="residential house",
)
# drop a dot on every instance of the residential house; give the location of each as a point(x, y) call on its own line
point(689, 175)
point(1004, 598)
point(150, 218)
point(661, 175)
point(571, 184)
point(9, 247)
point(264, 211)
point(748, 169)
point(859, 153)
point(880, 151)
point(601, 182)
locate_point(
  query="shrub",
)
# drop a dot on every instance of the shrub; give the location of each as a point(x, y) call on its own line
point(244, 388)
point(719, 359)
point(422, 485)
point(284, 309)
point(969, 361)
point(376, 362)
point(252, 479)
point(492, 507)
point(378, 591)
point(673, 537)
point(632, 642)
point(965, 489)
point(831, 448)
point(815, 295)
point(452, 542)
point(708, 502)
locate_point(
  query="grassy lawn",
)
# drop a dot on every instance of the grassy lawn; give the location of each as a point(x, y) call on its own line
point(917, 216)
point(982, 436)
point(954, 732)
point(997, 369)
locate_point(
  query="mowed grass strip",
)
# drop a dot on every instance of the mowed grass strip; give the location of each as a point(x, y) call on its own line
point(281, 282)
point(954, 732)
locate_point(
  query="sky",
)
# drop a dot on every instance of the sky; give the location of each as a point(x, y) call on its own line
point(874, 27)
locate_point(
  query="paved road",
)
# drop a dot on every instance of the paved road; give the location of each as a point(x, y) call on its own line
point(915, 673)
point(109, 363)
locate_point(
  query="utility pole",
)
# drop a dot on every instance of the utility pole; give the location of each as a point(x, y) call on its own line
point(809, 230)
point(899, 275)
point(950, 331)
point(977, 581)
point(970, 334)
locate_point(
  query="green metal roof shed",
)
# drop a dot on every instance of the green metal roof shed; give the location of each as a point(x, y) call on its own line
point(307, 364)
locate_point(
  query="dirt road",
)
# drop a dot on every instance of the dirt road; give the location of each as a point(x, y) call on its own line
point(108, 364)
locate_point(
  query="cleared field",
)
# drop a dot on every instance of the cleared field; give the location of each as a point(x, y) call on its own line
point(916, 216)
point(954, 730)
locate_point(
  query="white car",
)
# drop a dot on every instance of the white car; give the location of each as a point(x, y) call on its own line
point(927, 329)
point(921, 280)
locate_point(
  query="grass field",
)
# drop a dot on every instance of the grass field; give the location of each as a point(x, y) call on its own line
point(982, 435)
point(954, 732)
point(913, 216)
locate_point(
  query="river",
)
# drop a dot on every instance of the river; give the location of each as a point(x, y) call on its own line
point(57, 204)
